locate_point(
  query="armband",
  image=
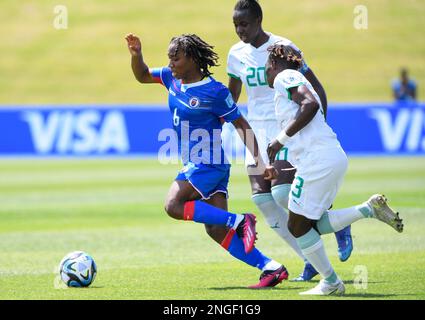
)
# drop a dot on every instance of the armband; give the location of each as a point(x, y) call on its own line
point(282, 137)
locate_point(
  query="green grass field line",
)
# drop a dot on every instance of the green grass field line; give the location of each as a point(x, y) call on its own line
point(113, 209)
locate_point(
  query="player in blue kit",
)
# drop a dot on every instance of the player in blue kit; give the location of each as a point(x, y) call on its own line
point(199, 105)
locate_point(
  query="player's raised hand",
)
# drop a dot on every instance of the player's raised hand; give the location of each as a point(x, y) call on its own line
point(134, 44)
point(273, 149)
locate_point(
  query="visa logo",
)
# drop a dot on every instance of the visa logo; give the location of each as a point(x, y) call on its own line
point(408, 125)
point(79, 132)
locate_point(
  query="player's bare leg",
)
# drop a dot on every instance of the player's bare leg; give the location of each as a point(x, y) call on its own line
point(280, 190)
point(275, 216)
point(265, 195)
point(183, 203)
point(179, 193)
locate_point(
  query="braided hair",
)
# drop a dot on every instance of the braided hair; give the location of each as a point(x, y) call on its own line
point(287, 54)
point(252, 6)
point(194, 47)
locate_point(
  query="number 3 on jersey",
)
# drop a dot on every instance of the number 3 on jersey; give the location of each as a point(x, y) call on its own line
point(256, 77)
point(296, 187)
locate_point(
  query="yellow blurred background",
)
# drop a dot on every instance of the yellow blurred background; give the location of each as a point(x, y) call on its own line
point(88, 62)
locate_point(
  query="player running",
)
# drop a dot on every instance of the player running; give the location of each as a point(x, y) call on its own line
point(246, 66)
point(321, 164)
point(199, 104)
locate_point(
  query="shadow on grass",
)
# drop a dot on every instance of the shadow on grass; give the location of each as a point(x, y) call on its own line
point(345, 281)
point(246, 288)
point(347, 295)
point(374, 295)
point(85, 288)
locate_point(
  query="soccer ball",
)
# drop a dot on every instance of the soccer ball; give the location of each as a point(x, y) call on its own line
point(77, 269)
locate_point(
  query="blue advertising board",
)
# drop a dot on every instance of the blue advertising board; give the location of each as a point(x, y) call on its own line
point(379, 129)
point(126, 130)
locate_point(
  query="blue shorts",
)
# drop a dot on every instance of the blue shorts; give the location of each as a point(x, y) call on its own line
point(207, 179)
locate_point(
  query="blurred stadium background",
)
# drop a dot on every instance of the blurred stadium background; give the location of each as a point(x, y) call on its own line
point(87, 62)
point(112, 208)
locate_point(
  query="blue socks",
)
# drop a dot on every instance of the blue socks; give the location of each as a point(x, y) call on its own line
point(202, 212)
point(234, 245)
point(205, 213)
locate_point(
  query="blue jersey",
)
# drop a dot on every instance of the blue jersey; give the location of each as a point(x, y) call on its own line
point(198, 110)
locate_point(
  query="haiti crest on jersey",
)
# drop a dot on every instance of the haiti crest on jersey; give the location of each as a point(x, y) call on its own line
point(194, 102)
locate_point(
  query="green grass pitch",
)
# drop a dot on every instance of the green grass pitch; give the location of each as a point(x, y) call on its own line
point(113, 209)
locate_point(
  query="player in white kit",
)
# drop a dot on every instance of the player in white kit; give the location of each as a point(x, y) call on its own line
point(246, 66)
point(321, 164)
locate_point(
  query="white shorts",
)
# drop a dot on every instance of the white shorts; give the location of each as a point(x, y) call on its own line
point(319, 176)
point(265, 131)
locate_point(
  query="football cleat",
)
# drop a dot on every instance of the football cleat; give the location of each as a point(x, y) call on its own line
point(325, 288)
point(345, 243)
point(246, 231)
point(382, 212)
point(308, 273)
point(270, 278)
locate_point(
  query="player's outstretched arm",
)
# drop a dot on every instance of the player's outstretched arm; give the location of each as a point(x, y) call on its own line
point(139, 67)
point(235, 88)
point(248, 137)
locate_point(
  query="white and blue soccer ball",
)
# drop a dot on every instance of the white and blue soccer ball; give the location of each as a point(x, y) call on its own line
point(78, 269)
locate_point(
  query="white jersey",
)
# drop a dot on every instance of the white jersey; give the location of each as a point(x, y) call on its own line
point(247, 64)
point(316, 135)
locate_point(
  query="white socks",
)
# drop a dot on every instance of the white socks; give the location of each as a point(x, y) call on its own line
point(336, 220)
point(271, 266)
point(312, 247)
point(277, 219)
